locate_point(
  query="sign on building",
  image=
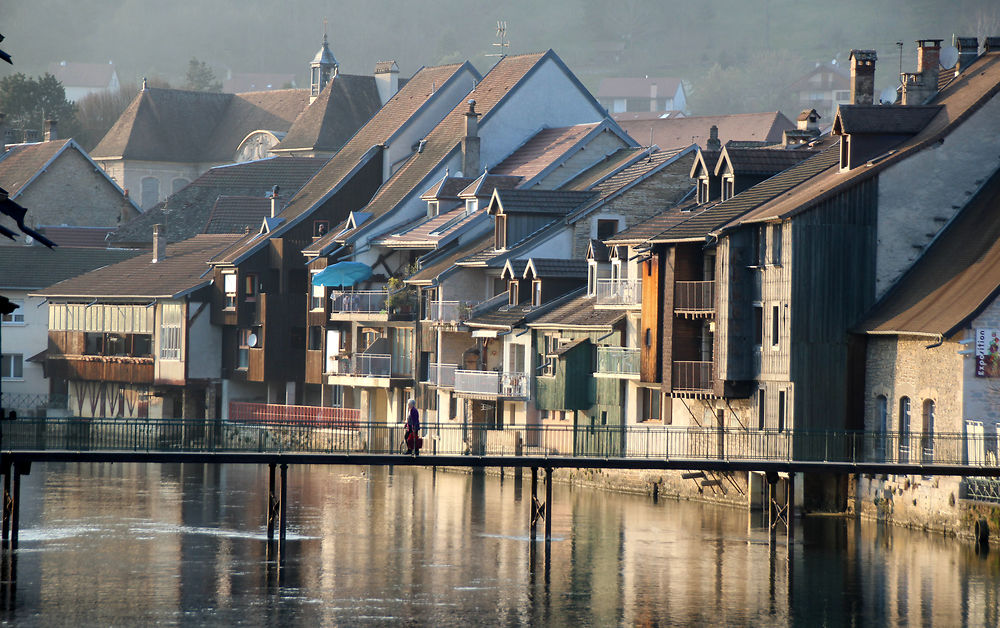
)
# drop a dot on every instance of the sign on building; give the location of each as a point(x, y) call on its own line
point(987, 353)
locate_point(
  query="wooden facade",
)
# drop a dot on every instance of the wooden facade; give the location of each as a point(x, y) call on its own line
point(651, 322)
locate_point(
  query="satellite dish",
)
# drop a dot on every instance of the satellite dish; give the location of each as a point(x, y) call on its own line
point(949, 57)
point(252, 340)
point(888, 95)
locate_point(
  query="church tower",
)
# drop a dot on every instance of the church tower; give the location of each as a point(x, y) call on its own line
point(322, 70)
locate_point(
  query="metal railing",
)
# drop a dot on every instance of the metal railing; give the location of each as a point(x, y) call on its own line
point(493, 383)
point(278, 414)
point(32, 401)
point(449, 311)
point(371, 365)
point(981, 489)
point(626, 292)
point(694, 296)
point(441, 374)
point(267, 430)
point(361, 301)
point(693, 376)
point(618, 361)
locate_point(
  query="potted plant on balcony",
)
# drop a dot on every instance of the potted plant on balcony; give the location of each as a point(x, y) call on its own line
point(401, 298)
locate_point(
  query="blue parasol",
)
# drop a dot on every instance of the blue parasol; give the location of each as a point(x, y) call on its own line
point(342, 274)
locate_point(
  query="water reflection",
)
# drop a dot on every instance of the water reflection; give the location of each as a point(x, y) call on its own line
point(131, 544)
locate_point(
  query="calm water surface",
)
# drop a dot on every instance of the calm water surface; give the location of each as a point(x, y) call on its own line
point(124, 545)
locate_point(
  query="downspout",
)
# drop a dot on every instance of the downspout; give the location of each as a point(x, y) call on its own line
point(940, 341)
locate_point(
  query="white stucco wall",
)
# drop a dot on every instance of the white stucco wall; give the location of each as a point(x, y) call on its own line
point(26, 339)
point(204, 347)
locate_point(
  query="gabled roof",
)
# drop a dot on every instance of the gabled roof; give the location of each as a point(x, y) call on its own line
point(955, 278)
point(679, 132)
point(343, 107)
point(655, 225)
point(556, 202)
point(544, 149)
point(637, 87)
point(185, 126)
point(482, 188)
point(233, 214)
point(605, 168)
point(598, 251)
point(380, 129)
point(960, 99)
point(22, 163)
point(447, 188)
point(185, 213)
point(437, 263)
point(35, 267)
point(546, 267)
point(578, 313)
point(883, 119)
point(513, 269)
point(760, 161)
point(705, 161)
point(183, 270)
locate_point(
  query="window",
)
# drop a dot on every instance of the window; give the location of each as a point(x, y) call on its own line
point(471, 205)
point(317, 298)
point(759, 245)
point(728, 188)
point(536, 292)
point(178, 184)
point(651, 407)
point(702, 190)
point(761, 416)
point(500, 235)
point(337, 396)
point(512, 293)
point(17, 316)
point(229, 286)
point(243, 353)
point(927, 432)
point(548, 359)
point(781, 411)
point(110, 344)
point(12, 366)
point(150, 190)
point(250, 288)
point(315, 338)
point(904, 429)
point(320, 227)
point(591, 279)
point(775, 327)
point(170, 331)
point(776, 244)
point(606, 229)
point(758, 325)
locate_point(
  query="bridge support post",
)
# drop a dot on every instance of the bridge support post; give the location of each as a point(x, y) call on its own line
point(284, 504)
point(7, 504)
point(548, 504)
point(15, 509)
point(272, 503)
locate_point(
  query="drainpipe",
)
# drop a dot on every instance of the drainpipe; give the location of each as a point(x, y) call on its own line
point(940, 341)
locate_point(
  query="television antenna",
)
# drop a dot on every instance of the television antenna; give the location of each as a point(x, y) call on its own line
point(502, 42)
point(899, 45)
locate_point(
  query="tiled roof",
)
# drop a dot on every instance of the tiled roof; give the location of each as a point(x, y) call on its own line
point(884, 119)
point(417, 91)
point(77, 237)
point(655, 225)
point(75, 74)
point(186, 212)
point(702, 223)
point(600, 251)
point(636, 171)
point(762, 161)
point(483, 187)
point(516, 267)
point(679, 132)
point(343, 107)
point(579, 312)
point(232, 214)
point(557, 202)
point(256, 81)
point(427, 232)
point(967, 93)
point(706, 160)
point(183, 269)
point(186, 126)
point(500, 316)
point(430, 271)
point(548, 267)
point(955, 278)
point(629, 87)
point(447, 188)
point(604, 168)
point(21, 162)
point(544, 148)
point(35, 267)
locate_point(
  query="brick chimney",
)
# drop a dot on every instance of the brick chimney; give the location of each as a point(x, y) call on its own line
point(3, 133)
point(808, 120)
point(159, 243)
point(713, 142)
point(386, 80)
point(968, 51)
point(863, 76)
point(921, 85)
point(275, 206)
point(470, 143)
point(51, 130)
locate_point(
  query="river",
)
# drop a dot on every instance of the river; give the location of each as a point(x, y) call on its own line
point(128, 544)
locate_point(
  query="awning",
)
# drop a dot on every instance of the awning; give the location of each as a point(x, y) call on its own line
point(342, 274)
point(484, 333)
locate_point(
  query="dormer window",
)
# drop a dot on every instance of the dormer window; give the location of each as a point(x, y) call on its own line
point(512, 292)
point(702, 190)
point(433, 208)
point(536, 292)
point(320, 228)
point(728, 187)
point(500, 233)
point(606, 228)
point(471, 205)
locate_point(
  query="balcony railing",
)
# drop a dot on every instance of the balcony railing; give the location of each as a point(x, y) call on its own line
point(692, 376)
point(442, 375)
point(279, 414)
point(361, 302)
point(694, 296)
point(449, 311)
point(620, 361)
point(363, 365)
point(31, 401)
point(625, 292)
point(493, 383)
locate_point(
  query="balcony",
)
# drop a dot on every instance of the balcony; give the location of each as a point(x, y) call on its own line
point(492, 383)
point(620, 362)
point(125, 369)
point(449, 311)
point(362, 365)
point(441, 375)
point(692, 377)
point(357, 304)
point(694, 298)
point(619, 292)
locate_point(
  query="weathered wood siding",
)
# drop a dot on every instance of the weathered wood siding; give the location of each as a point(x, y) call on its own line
point(651, 322)
point(734, 296)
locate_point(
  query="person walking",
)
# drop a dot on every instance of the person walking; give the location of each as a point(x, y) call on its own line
point(413, 440)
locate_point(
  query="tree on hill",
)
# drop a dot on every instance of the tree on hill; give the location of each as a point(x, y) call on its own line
point(201, 78)
point(28, 102)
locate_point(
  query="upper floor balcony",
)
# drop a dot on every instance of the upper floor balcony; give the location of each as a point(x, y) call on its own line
point(101, 368)
point(349, 305)
point(618, 362)
point(619, 292)
point(694, 298)
point(692, 378)
point(492, 383)
point(448, 311)
point(441, 375)
point(348, 370)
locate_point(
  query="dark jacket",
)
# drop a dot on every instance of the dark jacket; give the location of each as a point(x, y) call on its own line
point(413, 421)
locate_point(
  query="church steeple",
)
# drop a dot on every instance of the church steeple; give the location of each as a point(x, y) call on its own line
point(323, 68)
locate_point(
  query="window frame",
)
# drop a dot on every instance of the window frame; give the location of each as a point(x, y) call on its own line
point(15, 318)
point(8, 361)
point(229, 292)
point(500, 232)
